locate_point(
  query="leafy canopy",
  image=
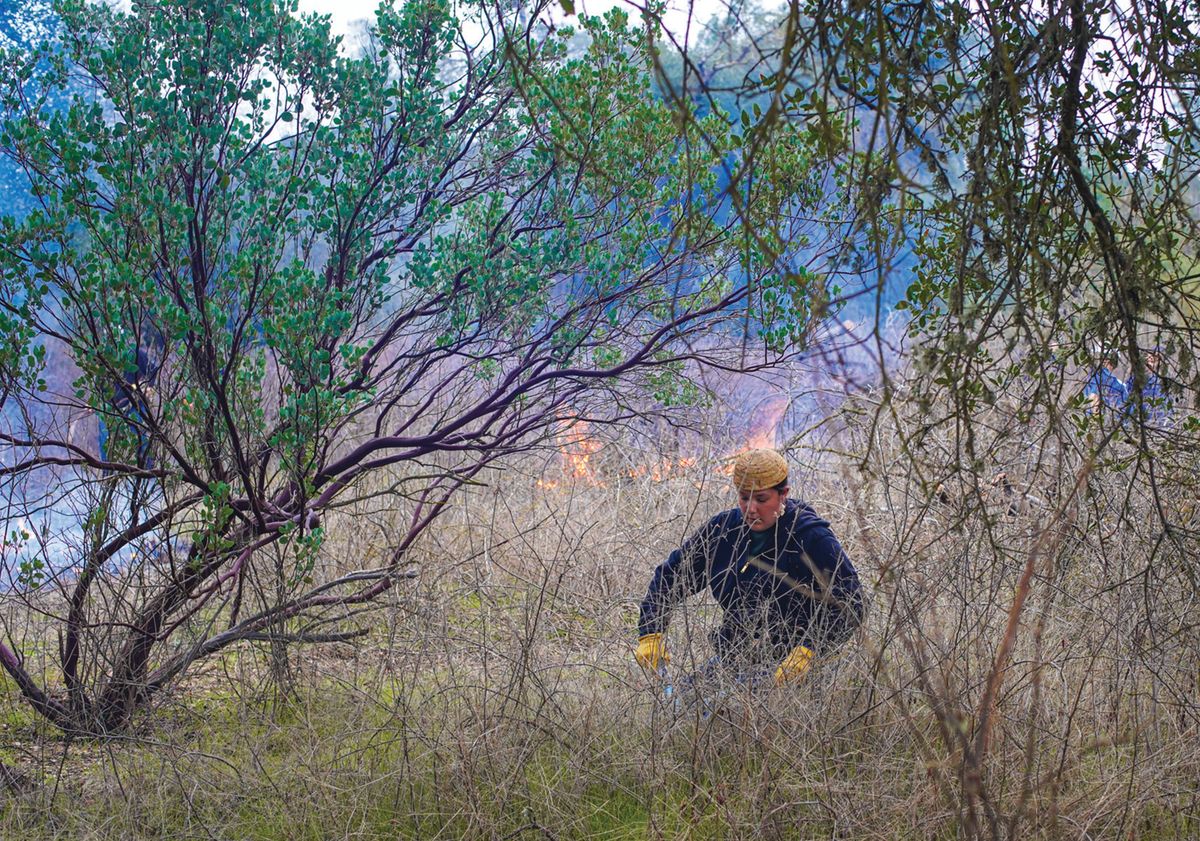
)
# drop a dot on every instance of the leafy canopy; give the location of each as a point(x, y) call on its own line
point(274, 269)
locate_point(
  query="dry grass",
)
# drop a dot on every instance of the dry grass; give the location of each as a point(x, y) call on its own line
point(496, 695)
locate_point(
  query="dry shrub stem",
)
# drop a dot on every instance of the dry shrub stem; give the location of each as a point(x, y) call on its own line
point(1027, 668)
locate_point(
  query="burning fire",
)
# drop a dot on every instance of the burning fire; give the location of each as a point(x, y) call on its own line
point(763, 427)
point(578, 450)
point(660, 470)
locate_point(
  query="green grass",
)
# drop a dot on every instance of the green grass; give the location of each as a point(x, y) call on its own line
point(496, 726)
point(450, 761)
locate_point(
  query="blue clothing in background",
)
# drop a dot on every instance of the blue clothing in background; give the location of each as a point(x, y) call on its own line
point(1108, 386)
point(130, 406)
point(1154, 398)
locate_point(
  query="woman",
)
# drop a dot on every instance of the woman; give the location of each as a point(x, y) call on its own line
point(787, 589)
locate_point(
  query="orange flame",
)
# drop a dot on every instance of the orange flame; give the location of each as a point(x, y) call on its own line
point(577, 449)
point(659, 471)
point(763, 428)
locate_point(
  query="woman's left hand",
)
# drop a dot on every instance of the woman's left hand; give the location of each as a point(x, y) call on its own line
point(793, 666)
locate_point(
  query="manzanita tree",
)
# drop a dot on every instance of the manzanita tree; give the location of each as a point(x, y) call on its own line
point(275, 270)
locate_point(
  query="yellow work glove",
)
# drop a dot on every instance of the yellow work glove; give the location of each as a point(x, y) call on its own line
point(794, 665)
point(652, 651)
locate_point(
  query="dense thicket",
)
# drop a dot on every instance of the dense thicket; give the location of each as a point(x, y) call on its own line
point(271, 270)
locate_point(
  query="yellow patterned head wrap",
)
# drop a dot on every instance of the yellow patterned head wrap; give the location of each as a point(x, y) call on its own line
point(757, 470)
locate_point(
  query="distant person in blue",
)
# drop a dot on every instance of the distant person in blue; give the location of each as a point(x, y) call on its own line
point(129, 410)
point(129, 400)
point(1153, 397)
point(1104, 389)
point(788, 591)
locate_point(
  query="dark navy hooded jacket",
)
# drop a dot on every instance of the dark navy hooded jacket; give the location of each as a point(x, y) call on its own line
point(802, 589)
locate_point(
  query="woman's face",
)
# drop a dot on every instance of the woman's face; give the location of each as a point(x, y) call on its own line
point(761, 508)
